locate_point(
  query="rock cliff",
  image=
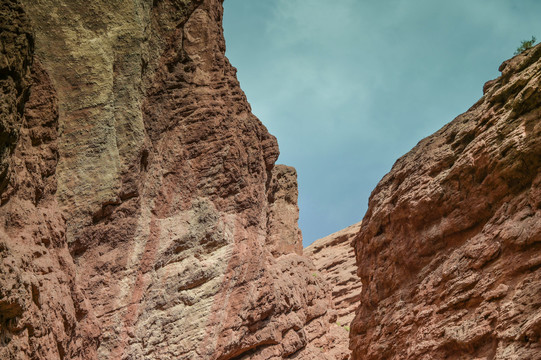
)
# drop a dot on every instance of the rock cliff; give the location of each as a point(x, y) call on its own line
point(449, 252)
point(334, 260)
point(142, 215)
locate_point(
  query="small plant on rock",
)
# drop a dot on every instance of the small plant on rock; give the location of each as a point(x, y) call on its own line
point(525, 45)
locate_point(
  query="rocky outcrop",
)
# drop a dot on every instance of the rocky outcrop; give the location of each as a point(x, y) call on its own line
point(334, 260)
point(142, 214)
point(449, 251)
point(283, 233)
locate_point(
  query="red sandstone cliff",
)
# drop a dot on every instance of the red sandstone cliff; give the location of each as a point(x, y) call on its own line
point(449, 251)
point(142, 215)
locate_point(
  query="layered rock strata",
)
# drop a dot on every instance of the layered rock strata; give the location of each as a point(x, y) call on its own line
point(449, 251)
point(334, 258)
point(142, 214)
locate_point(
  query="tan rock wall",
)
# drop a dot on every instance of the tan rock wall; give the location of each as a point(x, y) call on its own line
point(334, 260)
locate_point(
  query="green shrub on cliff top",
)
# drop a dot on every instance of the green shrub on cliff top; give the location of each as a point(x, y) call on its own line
point(525, 45)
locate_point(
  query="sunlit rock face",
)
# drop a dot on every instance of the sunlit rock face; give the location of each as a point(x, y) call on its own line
point(449, 252)
point(142, 215)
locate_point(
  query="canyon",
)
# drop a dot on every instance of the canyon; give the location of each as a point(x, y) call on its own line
point(142, 215)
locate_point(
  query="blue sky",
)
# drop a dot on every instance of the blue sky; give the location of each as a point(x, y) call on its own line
point(348, 86)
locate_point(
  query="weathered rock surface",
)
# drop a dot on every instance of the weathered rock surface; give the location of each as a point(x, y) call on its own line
point(334, 259)
point(43, 313)
point(284, 235)
point(142, 215)
point(449, 251)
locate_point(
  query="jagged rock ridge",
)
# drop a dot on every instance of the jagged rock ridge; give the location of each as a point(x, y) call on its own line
point(449, 252)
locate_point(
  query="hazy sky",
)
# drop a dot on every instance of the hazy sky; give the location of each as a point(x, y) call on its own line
point(348, 86)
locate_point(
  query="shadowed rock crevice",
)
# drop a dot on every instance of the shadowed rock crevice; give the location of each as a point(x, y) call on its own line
point(15, 62)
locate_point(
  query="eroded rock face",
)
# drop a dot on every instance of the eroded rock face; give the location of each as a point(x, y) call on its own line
point(43, 312)
point(284, 235)
point(142, 215)
point(449, 251)
point(334, 259)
